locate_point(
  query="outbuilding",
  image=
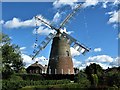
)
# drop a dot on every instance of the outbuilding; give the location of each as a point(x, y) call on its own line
point(35, 68)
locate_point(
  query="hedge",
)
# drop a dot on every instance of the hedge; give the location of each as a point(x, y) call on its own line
point(14, 85)
point(69, 86)
point(34, 77)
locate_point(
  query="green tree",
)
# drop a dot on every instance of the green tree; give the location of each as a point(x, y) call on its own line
point(112, 76)
point(95, 80)
point(81, 78)
point(94, 69)
point(11, 57)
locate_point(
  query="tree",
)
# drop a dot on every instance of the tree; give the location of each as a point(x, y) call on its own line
point(81, 78)
point(95, 80)
point(11, 57)
point(112, 76)
point(93, 70)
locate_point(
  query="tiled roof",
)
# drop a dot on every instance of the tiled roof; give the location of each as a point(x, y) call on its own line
point(37, 65)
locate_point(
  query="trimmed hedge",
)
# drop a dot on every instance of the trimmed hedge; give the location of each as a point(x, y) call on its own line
point(34, 77)
point(59, 86)
point(14, 85)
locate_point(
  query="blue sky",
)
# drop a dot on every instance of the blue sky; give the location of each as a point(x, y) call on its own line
point(94, 25)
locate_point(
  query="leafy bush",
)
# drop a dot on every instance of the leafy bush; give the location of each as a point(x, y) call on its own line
point(81, 78)
point(15, 78)
point(14, 85)
point(95, 80)
point(69, 86)
point(34, 77)
point(110, 79)
point(114, 80)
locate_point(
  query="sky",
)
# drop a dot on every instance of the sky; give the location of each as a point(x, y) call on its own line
point(95, 25)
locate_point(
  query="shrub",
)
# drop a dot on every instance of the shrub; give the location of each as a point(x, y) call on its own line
point(11, 85)
point(114, 80)
point(81, 78)
point(16, 84)
point(95, 80)
point(69, 86)
point(15, 78)
point(34, 77)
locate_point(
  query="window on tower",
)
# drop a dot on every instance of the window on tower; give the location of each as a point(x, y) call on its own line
point(67, 53)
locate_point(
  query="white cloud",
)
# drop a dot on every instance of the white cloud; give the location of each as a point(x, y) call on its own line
point(42, 30)
point(42, 18)
point(104, 5)
point(1, 22)
point(100, 59)
point(104, 61)
point(42, 60)
point(104, 66)
point(116, 2)
point(74, 52)
point(116, 62)
point(97, 49)
point(96, 2)
point(60, 3)
point(28, 60)
point(64, 30)
point(22, 48)
point(73, 3)
point(90, 3)
point(76, 63)
point(114, 17)
point(115, 26)
point(57, 17)
point(16, 23)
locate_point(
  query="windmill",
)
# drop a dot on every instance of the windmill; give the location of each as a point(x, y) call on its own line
point(60, 60)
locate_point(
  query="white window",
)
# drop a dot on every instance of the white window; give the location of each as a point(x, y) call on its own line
point(68, 71)
point(62, 71)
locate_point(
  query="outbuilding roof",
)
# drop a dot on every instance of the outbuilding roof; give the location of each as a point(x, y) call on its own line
point(36, 65)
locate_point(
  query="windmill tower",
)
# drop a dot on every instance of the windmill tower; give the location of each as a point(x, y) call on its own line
point(60, 60)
